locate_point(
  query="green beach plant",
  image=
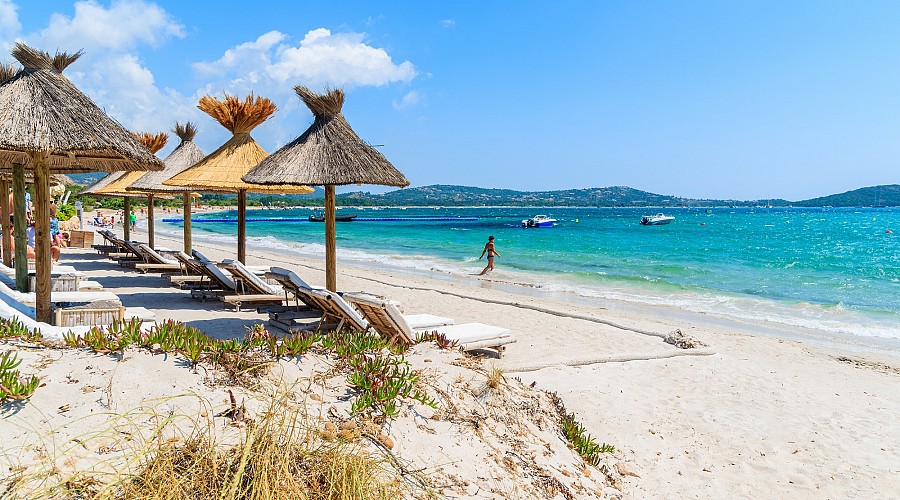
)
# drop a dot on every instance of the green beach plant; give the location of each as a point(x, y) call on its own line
point(12, 384)
point(582, 442)
point(13, 328)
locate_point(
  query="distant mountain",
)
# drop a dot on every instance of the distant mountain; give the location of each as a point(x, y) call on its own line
point(615, 196)
point(88, 178)
point(875, 196)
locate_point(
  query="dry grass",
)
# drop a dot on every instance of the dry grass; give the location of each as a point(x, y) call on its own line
point(278, 454)
point(239, 117)
point(495, 377)
point(153, 142)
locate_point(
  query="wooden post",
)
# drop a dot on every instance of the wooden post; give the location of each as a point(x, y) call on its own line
point(127, 222)
point(242, 226)
point(150, 228)
point(4, 219)
point(330, 243)
point(42, 236)
point(187, 222)
point(21, 241)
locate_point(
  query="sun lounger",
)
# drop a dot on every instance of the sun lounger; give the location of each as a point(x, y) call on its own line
point(217, 283)
point(251, 289)
point(387, 320)
point(155, 262)
point(290, 282)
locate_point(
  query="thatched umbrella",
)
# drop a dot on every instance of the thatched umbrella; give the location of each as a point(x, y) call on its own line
point(118, 188)
point(328, 154)
point(184, 156)
point(221, 170)
point(47, 124)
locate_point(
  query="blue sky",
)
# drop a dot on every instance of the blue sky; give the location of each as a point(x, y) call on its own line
point(746, 100)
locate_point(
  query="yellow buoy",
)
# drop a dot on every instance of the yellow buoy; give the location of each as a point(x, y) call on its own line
point(576, 220)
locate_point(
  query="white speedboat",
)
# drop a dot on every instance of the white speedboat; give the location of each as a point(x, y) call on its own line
point(656, 220)
point(539, 221)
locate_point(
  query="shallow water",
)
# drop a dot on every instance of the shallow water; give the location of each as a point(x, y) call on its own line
point(832, 271)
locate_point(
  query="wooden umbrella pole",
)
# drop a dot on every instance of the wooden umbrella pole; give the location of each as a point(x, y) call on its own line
point(126, 224)
point(4, 219)
point(187, 223)
point(21, 241)
point(242, 226)
point(150, 221)
point(42, 237)
point(330, 243)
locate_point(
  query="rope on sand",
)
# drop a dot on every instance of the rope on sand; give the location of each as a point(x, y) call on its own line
point(520, 305)
point(614, 358)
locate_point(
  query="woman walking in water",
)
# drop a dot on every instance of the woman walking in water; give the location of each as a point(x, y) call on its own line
point(491, 253)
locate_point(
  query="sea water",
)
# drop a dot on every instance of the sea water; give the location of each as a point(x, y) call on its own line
point(832, 274)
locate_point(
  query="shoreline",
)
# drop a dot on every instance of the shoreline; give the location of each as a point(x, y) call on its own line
point(632, 300)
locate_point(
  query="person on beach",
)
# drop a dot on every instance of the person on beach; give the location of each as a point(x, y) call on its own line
point(132, 220)
point(491, 253)
point(55, 236)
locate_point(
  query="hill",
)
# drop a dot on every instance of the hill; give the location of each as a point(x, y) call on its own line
point(615, 196)
point(875, 196)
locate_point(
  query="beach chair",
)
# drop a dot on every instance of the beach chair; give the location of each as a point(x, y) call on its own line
point(109, 245)
point(155, 262)
point(192, 274)
point(294, 284)
point(250, 288)
point(386, 319)
point(216, 285)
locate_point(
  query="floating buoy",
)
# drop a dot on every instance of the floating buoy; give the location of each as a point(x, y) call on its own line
point(576, 220)
point(873, 218)
point(702, 223)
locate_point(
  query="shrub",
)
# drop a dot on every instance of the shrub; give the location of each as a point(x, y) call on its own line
point(12, 384)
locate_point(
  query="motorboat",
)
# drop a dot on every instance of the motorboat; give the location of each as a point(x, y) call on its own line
point(539, 221)
point(656, 220)
point(337, 218)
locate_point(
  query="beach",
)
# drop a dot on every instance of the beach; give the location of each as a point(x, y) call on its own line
point(746, 415)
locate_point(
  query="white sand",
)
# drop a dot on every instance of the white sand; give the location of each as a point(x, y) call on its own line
point(762, 417)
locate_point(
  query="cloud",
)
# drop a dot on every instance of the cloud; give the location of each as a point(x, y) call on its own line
point(9, 20)
point(123, 26)
point(447, 23)
point(246, 57)
point(127, 91)
point(321, 58)
point(410, 99)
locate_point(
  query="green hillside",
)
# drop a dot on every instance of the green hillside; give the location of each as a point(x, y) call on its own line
point(875, 196)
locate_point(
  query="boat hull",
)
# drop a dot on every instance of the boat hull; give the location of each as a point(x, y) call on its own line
point(339, 218)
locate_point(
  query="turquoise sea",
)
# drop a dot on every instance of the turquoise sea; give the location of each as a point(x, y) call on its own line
point(832, 274)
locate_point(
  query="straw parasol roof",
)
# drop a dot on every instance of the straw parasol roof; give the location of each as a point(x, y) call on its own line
point(328, 153)
point(222, 169)
point(184, 156)
point(42, 111)
point(119, 186)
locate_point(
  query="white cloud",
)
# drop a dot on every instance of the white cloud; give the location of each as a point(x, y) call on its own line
point(321, 58)
point(410, 99)
point(9, 20)
point(340, 59)
point(246, 57)
point(447, 23)
point(127, 91)
point(124, 25)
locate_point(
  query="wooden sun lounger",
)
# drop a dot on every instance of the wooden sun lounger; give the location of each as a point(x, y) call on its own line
point(387, 320)
point(250, 288)
point(155, 262)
